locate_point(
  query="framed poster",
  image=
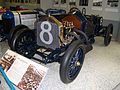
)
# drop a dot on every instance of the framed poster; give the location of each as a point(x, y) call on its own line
point(72, 2)
point(97, 3)
point(112, 6)
point(83, 2)
point(112, 3)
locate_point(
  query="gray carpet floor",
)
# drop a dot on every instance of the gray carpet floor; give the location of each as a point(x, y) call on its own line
point(100, 71)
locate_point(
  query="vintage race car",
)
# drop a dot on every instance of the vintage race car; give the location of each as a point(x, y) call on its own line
point(63, 38)
point(95, 24)
point(56, 39)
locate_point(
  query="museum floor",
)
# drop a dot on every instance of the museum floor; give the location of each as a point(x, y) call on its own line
point(101, 70)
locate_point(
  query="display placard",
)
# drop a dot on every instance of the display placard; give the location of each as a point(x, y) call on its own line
point(24, 73)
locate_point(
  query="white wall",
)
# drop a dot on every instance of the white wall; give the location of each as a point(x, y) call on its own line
point(45, 4)
point(115, 16)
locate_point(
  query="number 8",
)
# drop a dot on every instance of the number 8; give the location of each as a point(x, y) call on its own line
point(46, 30)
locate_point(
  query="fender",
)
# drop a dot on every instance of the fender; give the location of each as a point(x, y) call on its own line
point(81, 33)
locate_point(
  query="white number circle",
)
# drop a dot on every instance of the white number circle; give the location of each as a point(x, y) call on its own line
point(46, 30)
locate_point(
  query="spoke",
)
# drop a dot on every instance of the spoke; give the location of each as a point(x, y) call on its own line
point(73, 71)
point(25, 45)
point(75, 64)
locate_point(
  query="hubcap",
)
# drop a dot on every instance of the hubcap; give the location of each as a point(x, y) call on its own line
point(78, 63)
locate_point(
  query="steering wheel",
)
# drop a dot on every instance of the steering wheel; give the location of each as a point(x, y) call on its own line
point(84, 11)
point(73, 9)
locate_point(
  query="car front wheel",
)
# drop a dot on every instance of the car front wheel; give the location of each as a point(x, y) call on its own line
point(72, 62)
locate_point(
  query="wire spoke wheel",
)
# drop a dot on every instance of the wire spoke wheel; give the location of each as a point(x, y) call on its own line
point(24, 43)
point(72, 62)
point(75, 64)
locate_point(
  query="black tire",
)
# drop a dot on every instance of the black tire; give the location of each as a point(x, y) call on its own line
point(24, 43)
point(13, 31)
point(67, 61)
point(108, 34)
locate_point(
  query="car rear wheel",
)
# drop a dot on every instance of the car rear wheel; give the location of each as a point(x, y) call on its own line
point(72, 62)
point(108, 35)
point(24, 43)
